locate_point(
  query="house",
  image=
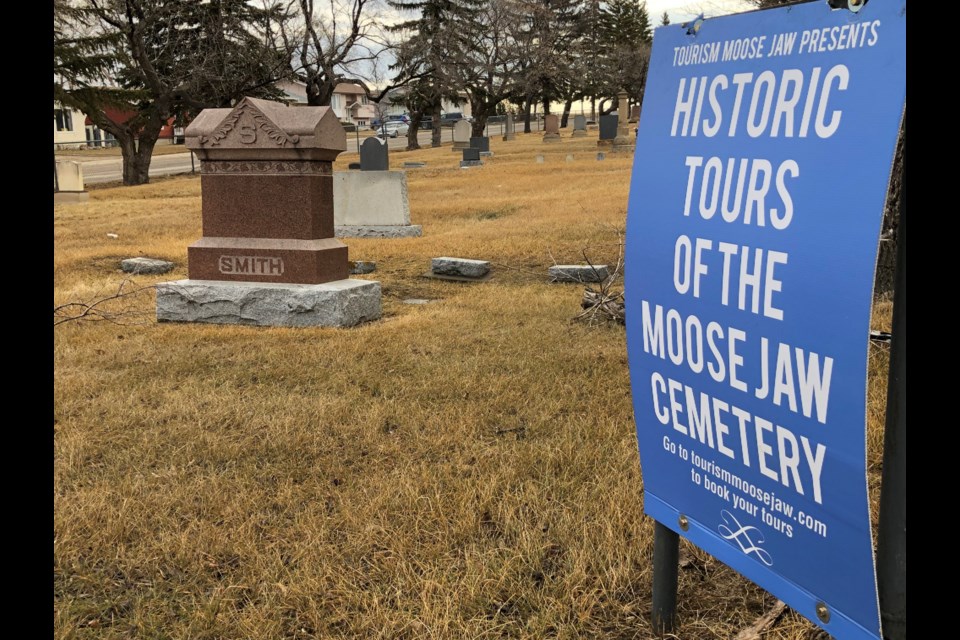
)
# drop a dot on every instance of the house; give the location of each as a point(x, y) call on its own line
point(68, 127)
point(349, 101)
point(72, 129)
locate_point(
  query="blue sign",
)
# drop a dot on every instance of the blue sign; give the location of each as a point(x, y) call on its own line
point(763, 158)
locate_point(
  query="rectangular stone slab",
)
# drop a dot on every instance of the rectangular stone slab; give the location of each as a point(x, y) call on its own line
point(275, 205)
point(268, 260)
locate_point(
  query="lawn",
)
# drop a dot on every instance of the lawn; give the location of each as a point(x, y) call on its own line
point(465, 468)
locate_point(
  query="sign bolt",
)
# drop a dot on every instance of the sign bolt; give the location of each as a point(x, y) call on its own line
point(823, 613)
point(684, 523)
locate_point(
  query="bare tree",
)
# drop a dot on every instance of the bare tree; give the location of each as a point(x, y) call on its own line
point(337, 41)
point(487, 69)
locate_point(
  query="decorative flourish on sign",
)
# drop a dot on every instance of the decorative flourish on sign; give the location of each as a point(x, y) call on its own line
point(733, 530)
point(272, 132)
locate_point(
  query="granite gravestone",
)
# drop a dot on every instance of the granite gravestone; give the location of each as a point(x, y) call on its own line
point(471, 158)
point(268, 255)
point(635, 113)
point(461, 135)
point(374, 155)
point(551, 124)
point(68, 183)
point(481, 143)
point(608, 129)
point(579, 126)
point(510, 131)
point(623, 143)
point(372, 204)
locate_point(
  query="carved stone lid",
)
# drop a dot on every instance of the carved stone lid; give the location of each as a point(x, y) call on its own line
point(263, 129)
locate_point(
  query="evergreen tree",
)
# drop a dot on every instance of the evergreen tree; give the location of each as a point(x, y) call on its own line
point(625, 26)
point(664, 19)
point(435, 37)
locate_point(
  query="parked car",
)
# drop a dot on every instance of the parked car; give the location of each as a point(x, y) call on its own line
point(392, 129)
point(394, 118)
point(450, 119)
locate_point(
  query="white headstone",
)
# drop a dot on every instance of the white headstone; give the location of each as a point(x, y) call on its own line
point(461, 135)
point(69, 175)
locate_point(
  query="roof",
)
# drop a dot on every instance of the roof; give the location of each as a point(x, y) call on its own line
point(349, 88)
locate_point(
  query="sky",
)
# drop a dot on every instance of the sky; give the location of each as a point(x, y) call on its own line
point(683, 10)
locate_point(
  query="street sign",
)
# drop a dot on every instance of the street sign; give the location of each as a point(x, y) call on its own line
point(763, 157)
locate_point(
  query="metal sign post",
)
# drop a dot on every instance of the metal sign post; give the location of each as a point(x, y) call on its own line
point(892, 531)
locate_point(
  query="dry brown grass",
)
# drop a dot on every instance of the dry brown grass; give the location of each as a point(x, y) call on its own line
point(462, 469)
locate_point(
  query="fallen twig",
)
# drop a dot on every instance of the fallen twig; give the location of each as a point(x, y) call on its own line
point(101, 308)
point(762, 623)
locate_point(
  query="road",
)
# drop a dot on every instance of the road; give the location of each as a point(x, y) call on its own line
point(100, 170)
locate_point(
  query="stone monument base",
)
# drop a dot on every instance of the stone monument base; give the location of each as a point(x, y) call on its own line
point(509, 136)
point(70, 197)
point(578, 133)
point(551, 137)
point(341, 303)
point(378, 231)
point(608, 142)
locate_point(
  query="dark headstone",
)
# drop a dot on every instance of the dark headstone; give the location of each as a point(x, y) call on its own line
point(470, 153)
point(608, 127)
point(481, 143)
point(374, 155)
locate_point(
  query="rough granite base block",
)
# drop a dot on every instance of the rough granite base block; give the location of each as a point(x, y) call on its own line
point(341, 303)
point(379, 231)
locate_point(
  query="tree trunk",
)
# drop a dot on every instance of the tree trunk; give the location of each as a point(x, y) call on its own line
point(412, 142)
point(593, 108)
point(546, 107)
point(566, 113)
point(527, 104)
point(435, 132)
point(138, 152)
point(480, 115)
